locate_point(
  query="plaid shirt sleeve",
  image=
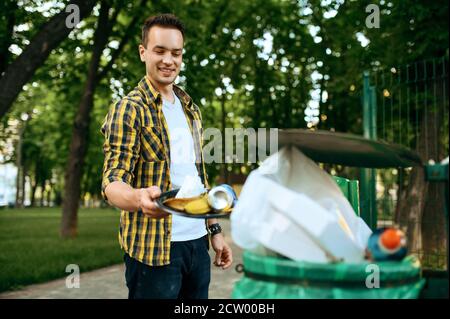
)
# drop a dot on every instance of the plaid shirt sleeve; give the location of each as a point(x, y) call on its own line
point(121, 146)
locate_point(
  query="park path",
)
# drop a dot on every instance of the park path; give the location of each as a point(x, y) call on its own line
point(109, 282)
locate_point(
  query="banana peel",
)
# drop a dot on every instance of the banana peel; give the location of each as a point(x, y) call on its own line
point(180, 203)
point(195, 205)
point(198, 206)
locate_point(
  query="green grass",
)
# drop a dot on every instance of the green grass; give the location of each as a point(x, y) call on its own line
point(31, 250)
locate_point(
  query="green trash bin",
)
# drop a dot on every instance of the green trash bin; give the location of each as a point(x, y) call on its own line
point(350, 189)
point(280, 278)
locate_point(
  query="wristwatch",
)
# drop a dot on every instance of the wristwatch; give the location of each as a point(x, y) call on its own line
point(214, 229)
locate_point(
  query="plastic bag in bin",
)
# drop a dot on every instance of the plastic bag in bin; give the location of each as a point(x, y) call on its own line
point(290, 206)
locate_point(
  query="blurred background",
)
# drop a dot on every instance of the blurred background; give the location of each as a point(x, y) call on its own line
point(259, 64)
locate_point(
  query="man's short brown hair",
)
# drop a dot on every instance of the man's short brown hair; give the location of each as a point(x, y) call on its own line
point(163, 20)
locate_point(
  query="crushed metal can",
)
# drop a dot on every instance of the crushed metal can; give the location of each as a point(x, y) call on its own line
point(222, 197)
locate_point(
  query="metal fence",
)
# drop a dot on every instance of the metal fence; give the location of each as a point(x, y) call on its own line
point(408, 105)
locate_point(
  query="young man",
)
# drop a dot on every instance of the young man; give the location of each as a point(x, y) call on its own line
point(152, 142)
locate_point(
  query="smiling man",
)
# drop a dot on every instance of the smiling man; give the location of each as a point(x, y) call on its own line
point(152, 142)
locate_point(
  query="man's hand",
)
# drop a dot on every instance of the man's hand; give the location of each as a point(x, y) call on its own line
point(146, 202)
point(224, 256)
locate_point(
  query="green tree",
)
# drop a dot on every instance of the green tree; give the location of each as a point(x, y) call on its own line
point(21, 69)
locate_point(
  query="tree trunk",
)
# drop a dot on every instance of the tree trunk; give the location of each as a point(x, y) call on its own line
point(41, 200)
point(22, 183)
point(19, 186)
point(9, 6)
point(420, 208)
point(410, 207)
point(49, 194)
point(23, 68)
point(78, 145)
point(33, 193)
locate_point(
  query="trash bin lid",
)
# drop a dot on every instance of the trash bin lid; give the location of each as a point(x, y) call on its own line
point(347, 149)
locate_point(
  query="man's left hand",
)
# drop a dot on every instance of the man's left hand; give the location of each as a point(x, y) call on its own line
point(224, 256)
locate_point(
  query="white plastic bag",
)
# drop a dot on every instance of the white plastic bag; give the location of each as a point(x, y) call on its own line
point(291, 206)
point(192, 186)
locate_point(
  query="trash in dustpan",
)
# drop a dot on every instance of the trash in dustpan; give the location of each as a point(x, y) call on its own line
point(290, 206)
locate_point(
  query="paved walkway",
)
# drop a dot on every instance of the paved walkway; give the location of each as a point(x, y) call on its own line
point(109, 282)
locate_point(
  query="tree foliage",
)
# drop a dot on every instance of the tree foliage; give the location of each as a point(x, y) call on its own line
point(246, 64)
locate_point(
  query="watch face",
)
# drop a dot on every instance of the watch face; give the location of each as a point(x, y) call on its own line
point(215, 229)
point(214, 226)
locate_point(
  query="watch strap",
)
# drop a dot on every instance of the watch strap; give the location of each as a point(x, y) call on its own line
point(214, 229)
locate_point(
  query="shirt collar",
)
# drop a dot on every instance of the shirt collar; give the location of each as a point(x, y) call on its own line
point(154, 98)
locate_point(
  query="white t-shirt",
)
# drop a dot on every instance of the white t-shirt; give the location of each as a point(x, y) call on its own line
point(182, 163)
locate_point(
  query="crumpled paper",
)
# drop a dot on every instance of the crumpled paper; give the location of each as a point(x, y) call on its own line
point(192, 186)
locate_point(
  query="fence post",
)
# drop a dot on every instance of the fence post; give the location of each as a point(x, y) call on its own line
point(368, 202)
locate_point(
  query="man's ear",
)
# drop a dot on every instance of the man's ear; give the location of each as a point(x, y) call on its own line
point(141, 52)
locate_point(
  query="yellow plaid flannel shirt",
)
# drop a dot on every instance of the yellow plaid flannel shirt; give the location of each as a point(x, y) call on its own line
point(137, 152)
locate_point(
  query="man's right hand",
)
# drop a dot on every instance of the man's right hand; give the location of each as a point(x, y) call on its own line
point(146, 202)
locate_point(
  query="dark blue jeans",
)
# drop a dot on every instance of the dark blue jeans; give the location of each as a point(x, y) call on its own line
point(186, 277)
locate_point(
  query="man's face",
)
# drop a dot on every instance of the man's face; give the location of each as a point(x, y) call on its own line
point(163, 55)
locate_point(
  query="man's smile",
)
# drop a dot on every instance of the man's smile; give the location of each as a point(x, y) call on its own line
point(166, 71)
